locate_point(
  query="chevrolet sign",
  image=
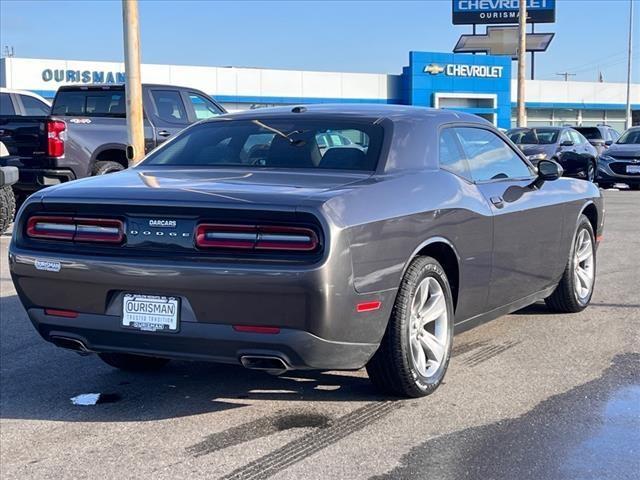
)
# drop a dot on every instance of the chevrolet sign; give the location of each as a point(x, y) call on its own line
point(476, 12)
point(460, 70)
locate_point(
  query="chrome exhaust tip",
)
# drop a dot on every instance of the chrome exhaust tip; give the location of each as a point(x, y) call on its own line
point(269, 364)
point(70, 344)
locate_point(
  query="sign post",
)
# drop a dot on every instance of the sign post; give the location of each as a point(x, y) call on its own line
point(133, 85)
point(522, 59)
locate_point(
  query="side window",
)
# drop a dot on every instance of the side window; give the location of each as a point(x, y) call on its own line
point(450, 156)
point(6, 105)
point(169, 106)
point(202, 107)
point(33, 106)
point(565, 137)
point(490, 158)
point(614, 134)
point(576, 137)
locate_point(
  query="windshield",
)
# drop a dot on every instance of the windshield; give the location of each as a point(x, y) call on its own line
point(630, 137)
point(275, 143)
point(534, 136)
point(90, 103)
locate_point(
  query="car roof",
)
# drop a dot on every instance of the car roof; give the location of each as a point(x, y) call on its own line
point(28, 93)
point(117, 86)
point(372, 111)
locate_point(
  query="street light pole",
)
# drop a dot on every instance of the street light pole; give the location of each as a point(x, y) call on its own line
point(628, 121)
point(133, 86)
point(522, 59)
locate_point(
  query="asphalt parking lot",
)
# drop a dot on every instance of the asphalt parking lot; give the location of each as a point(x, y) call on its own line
point(532, 395)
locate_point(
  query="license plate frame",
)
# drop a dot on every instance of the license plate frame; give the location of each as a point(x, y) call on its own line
point(150, 313)
point(633, 169)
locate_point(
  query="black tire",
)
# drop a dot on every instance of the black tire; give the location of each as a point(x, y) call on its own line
point(7, 207)
point(565, 298)
point(392, 369)
point(133, 363)
point(104, 167)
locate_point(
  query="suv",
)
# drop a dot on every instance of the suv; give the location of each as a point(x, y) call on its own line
point(86, 133)
point(600, 136)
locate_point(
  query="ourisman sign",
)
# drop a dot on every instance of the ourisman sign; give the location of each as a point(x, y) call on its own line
point(81, 76)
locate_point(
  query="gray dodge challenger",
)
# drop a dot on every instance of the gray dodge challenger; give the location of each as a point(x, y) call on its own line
point(257, 238)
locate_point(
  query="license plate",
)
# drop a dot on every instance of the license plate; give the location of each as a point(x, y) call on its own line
point(633, 168)
point(150, 313)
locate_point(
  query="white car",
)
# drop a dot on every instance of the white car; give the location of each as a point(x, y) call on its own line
point(23, 103)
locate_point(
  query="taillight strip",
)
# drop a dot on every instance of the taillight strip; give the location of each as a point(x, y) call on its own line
point(75, 229)
point(256, 237)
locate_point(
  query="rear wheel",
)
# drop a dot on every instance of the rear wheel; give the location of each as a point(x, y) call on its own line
point(7, 207)
point(133, 363)
point(575, 289)
point(591, 171)
point(104, 167)
point(416, 347)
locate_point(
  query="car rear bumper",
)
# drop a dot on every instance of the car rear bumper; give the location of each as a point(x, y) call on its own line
point(207, 342)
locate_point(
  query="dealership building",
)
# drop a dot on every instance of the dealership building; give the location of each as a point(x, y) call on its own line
point(479, 84)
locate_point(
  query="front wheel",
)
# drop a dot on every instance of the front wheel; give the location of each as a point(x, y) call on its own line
point(133, 363)
point(575, 289)
point(414, 353)
point(591, 171)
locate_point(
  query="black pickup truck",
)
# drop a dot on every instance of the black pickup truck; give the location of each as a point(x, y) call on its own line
point(86, 134)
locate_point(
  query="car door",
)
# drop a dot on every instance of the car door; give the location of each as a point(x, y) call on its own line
point(168, 112)
point(527, 219)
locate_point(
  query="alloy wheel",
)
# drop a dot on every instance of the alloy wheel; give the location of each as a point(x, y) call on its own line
point(583, 265)
point(428, 327)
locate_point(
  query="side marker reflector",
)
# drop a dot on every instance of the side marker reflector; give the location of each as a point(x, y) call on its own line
point(256, 329)
point(368, 306)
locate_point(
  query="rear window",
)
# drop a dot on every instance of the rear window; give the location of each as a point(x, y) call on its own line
point(274, 143)
point(90, 103)
point(590, 133)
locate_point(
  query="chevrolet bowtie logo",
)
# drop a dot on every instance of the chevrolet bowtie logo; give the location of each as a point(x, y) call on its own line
point(433, 69)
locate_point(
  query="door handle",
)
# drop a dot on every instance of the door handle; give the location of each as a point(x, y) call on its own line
point(497, 201)
point(164, 133)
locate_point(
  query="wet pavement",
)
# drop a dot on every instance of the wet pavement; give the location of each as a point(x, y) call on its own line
point(532, 395)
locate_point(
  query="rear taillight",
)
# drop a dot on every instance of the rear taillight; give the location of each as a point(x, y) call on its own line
point(76, 229)
point(56, 135)
point(256, 237)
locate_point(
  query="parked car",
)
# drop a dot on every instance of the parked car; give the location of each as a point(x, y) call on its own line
point(8, 177)
point(307, 260)
point(86, 132)
point(564, 145)
point(621, 162)
point(600, 136)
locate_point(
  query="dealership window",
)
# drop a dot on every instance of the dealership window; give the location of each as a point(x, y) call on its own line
point(592, 118)
point(616, 119)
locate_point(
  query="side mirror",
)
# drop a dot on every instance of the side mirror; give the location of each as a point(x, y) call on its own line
point(567, 143)
point(549, 170)
point(608, 143)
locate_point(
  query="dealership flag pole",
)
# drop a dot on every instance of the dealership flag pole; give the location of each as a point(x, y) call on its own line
point(522, 58)
point(133, 87)
point(628, 110)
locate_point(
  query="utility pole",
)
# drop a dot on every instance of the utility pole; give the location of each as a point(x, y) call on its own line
point(133, 86)
point(566, 75)
point(522, 60)
point(628, 110)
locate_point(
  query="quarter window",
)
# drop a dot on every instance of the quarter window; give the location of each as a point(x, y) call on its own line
point(450, 156)
point(489, 157)
point(169, 106)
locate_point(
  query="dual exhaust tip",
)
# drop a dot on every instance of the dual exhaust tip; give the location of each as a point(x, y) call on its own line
point(270, 364)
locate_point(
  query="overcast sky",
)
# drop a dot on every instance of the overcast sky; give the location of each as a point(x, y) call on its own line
point(361, 36)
